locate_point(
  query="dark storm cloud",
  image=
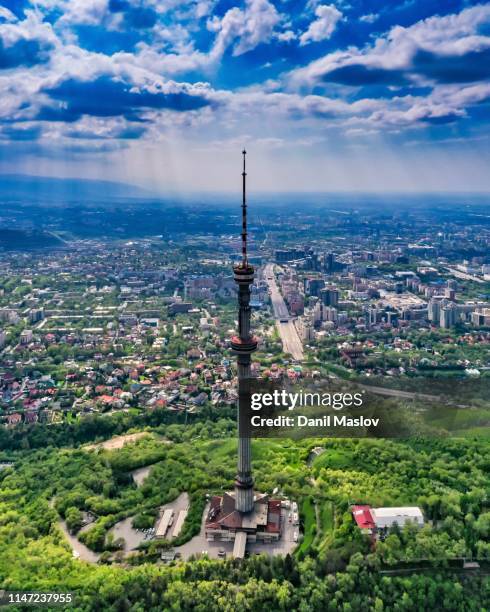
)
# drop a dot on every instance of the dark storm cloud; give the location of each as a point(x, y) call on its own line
point(468, 68)
point(107, 97)
point(57, 113)
point(474, 66)
point(126, 133)
point(20, 134)
point(358, 74)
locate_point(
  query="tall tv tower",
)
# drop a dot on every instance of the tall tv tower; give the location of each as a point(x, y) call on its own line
point(236, 516)
point(243, 345)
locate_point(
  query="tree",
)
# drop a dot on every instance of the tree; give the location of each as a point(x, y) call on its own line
point(74, 519)
point(482, 525)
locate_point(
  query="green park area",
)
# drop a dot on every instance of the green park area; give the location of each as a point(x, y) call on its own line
point(334, 567)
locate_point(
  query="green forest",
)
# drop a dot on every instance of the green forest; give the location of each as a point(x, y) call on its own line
point(335, 566)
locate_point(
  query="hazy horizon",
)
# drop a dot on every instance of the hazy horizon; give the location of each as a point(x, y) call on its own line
point(38, 181)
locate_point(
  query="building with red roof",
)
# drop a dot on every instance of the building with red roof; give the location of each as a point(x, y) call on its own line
point(372, 520)
point(363, 517)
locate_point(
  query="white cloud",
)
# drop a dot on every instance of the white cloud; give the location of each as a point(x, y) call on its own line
point(27, 42)
point(152, 59)
point(32, 27)
point(7, 15)
point(294, 107)
point(204, 8)
point(419, 113)
point(176, 37)
point(449, 35)
point(240, 30)
point(244, 29)
point(327, 17)
point(369, 18)
point(149, 69)
point(286, 36)
point(462, 96)
point(87, 12)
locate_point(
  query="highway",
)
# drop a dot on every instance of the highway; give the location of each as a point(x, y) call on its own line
point(399, 393)
point(465, 276)
point(291, 342)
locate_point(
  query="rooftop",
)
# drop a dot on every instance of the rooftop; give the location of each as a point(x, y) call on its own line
point(411, 511)
point(362, 516)
point(265, 516)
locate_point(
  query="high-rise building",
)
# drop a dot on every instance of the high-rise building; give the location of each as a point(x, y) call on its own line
point(449, 314)
point(287, 255)
point(481, 317)
point(329, 262)
point(313, 286)
point(391, 317)
point(296, 303)
point(329, 296)
point(450, 293)
point(311, 261)
point(373, 316)
point(36, 315)
point(25, 336)
point(306, 328)
point(434, 310)
point(329, 313)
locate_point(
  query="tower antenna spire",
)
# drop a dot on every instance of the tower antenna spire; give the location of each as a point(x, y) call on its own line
point(244, 212)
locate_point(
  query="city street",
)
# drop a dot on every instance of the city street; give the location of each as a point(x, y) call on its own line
point(285, 325)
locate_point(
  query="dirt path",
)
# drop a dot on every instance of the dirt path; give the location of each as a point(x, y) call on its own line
point(117, 442)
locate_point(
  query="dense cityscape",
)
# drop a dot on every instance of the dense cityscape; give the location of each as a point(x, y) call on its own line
point(101, 325)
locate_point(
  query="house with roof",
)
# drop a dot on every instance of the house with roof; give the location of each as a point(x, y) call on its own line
point(14, 419)
point(374, 520)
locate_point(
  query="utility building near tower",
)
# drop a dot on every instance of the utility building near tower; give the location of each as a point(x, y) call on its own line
point(373, 520)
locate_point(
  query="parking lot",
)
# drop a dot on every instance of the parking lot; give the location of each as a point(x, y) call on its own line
point(133, 537)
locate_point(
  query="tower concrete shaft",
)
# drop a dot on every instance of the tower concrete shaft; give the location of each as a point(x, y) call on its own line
point(243, 346)
point(244, 492)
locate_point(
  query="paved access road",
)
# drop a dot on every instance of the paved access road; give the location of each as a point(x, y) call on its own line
point(291, 342)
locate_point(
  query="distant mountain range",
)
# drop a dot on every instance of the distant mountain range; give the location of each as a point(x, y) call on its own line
point(26, 240)
point(49, 188)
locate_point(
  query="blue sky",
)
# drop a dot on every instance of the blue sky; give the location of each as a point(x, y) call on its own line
point(326, 96)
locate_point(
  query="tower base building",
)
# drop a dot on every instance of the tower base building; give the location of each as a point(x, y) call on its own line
point(224, 522)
